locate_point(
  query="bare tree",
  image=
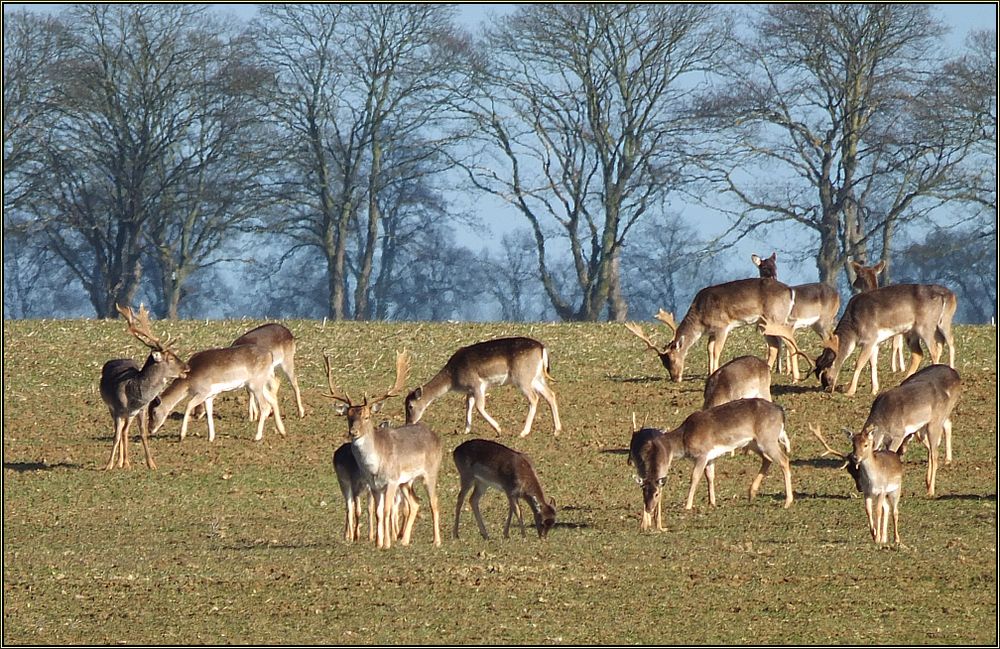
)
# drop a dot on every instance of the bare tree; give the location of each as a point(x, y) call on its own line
point(582, 123)
point(835, 115)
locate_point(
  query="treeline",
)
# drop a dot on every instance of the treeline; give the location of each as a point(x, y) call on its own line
point(316, 160)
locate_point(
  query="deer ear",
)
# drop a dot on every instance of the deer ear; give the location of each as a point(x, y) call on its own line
point(340, 409)
point(879, 267)
point(416, 393)
point(157, 356)
point(756, 260)
point(377, 407)
point(637, 479)
point(773, 257)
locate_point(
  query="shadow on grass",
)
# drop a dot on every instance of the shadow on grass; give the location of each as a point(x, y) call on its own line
point(992, 497)
point(820, 463)
point(780, 390)
point(22, 467)
point(636, 379)
point(614, 451)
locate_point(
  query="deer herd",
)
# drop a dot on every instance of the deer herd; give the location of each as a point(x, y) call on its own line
point(385, 462)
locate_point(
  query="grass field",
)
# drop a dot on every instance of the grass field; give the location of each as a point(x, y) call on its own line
point(241, 542)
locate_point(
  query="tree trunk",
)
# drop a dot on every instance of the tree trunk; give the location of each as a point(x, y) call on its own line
point(362, 310)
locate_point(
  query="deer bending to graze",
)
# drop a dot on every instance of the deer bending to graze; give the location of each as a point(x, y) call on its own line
point(523, 362)
point(706, 435)
point(717, 310)
point(866, 279)
point(922, 312)
point(127, 389)
point(816, 305)
point(649, 457)
point(745, 377)
point(214, 371)
point(354, 486)
point(391, 458)
point(878, 474)
point(921, 405)
point(483, 464)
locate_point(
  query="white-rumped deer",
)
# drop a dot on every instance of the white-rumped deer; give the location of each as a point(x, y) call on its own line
point(649, 457)
point(816, 306)
point(921, 405)
point(483, 464)
point(715, 311)
point(391, 457)
point(866, 279)
point(922, 312)
point(878, 474)
point(214, 371)
point(127, 389)
point(705, 435)
point(523, 362)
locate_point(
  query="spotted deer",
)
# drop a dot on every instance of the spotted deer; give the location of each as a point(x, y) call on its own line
point(127, 389)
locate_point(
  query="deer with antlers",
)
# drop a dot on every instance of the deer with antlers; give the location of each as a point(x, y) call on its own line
point(391, 457)
point(878, 474)
point(866, 279)
point(127, 389)
point(715, 311)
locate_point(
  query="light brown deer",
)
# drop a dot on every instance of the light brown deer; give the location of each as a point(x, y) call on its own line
point(706, 435)
point(354, 486)
point(866, 279)
point(649, 457)
point(745, 377)
point(391, 457)
point(483, 464)
point(921, 405)
point(524, 362)
point(878, 474)
point(816, 306)
point(922, 312)
point(717, 310)
point(127, 389)
point(214, 371)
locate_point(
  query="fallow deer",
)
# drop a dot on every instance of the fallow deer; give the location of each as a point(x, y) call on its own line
point(866, 279)
point(921, 405)
point(214, 371)
point(745, 377)
point(715, 311)
point(354, 486)
point(816, 306)
point(706, 435)
point(921, 311)
point(523, 362)
point(878, 474)
point(483, 464)
point(649, 457)
point(127, 389)
point(391, 457)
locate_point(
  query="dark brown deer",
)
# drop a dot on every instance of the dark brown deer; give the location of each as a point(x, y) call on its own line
point(128, 389)
point(523, 362)
point(483, 464)
point(649, 457)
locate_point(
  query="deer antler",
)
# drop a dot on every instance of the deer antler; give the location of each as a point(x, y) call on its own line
point(637, 330)
point(140, 327)
point(402, 372)
point(667, 318)
point(829, 451)
point(786, 333)
point(333, 389)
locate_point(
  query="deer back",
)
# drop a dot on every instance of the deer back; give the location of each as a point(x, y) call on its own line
point(740, 301)
point(743, 377)
point(882, 312)
point(273, 336)
point(499, 466)
point(732, 425)
point(928, 396)
point(351, 478)
point(815, 301)
point(494, 361)
point(227, 368)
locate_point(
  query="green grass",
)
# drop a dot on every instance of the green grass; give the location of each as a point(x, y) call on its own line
point(241, 542)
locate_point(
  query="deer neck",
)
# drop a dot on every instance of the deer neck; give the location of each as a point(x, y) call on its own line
point(148, 383)
point(438, 386)
point(369, 453)
point(689, 331)
point(173, 395)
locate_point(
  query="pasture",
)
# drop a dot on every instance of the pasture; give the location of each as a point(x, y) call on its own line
point(242, 542)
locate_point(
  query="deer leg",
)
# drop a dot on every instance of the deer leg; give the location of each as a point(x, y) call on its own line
point(532, 408)
point(466, 485)
point(187, 416)
point(372, 515)
point(710, 479)
point(916, 353)
point(894, 503)
point(871, 520)
point(765, 466)
point(699, 468)
point(350, 516)
point(720, 342)
point(431, 485)
point(480, 398)
point(786, 472)
point(288, 367)
point(883, 508)
point(864, 355)
point(659, 511)
point(550, 397)
point(144, 431)
point(896, 360)
point(271, 397)
point(511, 506)
point(477, 494)
point(385, 516)
point(946, 426)
point(470, 401)
point(411, 515)
point(119, 423)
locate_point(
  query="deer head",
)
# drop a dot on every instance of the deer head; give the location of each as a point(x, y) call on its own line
point(866, 277)
point(767, 267)
point(786, 333)
point(824, 362)
point(161, 352)
point(359, 415)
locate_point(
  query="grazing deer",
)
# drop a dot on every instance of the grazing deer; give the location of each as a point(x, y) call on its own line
point(816, 305)
point(127, 389)
point(921, 405)
point(391, 457)
point(353, 486)
point(745, 377)
point(866, 279)
point(706, 435)
point(523, 362)
point(715, 311)
point(649, 457)
point(483, 464)
point(921, 311)
point(214, 371)
point(878, 474)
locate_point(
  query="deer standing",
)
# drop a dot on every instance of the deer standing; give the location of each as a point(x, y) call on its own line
point(649, 457)
point(816, 305)
point(127, 389)
point(483, 464)
point(715, 311)
point(214, 371)
point(878, 474)
point(866, 279)
point(353, 487)
point(523, 362)
point(922, 312)
point(391, 457)
point(921, 405)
